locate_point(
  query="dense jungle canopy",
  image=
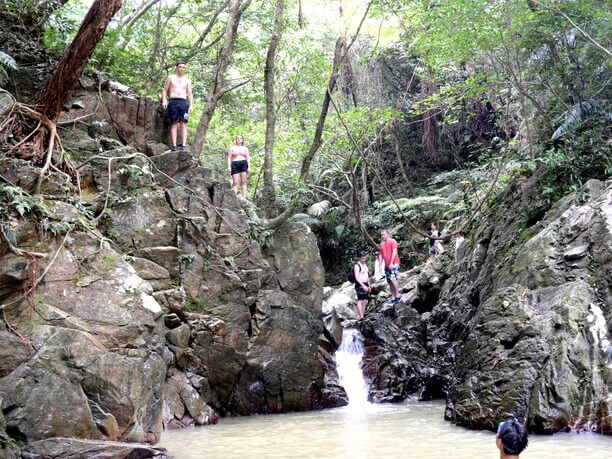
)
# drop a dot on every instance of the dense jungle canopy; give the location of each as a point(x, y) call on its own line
point(139, 293)
point(348, 103)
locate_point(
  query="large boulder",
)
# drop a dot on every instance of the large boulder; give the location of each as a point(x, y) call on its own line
point(525, 325)
point(74, 448)
point(116, 112)
point(93, 357)
point(243, 333)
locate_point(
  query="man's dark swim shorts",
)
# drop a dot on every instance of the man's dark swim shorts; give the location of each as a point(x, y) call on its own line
point(361, 293)
point(177, 110)
point(239, 166)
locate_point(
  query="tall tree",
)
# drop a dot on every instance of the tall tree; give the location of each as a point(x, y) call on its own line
point(217, 89)
point(268, 191)
point(67, 72)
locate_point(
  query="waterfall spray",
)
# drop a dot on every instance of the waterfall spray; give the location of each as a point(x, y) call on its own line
point(348, 362)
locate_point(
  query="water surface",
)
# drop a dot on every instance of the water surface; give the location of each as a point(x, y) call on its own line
point(406, 430)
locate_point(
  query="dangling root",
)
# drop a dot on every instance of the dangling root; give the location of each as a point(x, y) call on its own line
point(32, 145)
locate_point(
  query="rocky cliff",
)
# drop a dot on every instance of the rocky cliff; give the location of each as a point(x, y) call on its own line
point(516, 322)
point(155, 305)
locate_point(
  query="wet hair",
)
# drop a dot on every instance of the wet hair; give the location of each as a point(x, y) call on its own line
point(180, 62)
point(513, 436)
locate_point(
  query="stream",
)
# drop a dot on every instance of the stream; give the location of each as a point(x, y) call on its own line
point(407, 430)
point(363, 430)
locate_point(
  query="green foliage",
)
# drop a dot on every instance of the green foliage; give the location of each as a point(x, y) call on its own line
point(197, 305)
point(63, 25)
point(421, 209)
point(56, 228)
point(263, 236)
point(580, 155)
point(14, 198)
point(6, 62)
point(106, 262)
point(185, 258)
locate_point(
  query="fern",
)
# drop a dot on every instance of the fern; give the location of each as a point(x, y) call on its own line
point(311, 221)
point(6, 61)
point(579, 112)
point(319, 208)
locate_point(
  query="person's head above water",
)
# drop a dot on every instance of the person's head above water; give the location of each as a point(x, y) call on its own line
point(511, 438)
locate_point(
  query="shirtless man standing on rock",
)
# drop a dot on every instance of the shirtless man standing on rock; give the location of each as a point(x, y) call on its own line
point(178, 88)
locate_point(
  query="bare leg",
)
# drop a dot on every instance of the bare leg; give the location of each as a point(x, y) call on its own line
point(235, 178)
point(183, 134)
point(243, 179)
point(361, 307)
point(173, 129)
point(393, 285)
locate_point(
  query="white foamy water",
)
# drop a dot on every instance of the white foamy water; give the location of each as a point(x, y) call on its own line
point(348, 363)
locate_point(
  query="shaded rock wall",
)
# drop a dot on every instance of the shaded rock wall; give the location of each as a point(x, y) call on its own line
point(164, 312)
point(527, 323)
point(516, 322)
point(112, 111)
point(243, 324)
point(87, 349)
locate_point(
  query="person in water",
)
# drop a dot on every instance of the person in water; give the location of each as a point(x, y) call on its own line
point(390, 256)
point(238, 164)
point(362, 285)
point(511, 439)
point(178, 88)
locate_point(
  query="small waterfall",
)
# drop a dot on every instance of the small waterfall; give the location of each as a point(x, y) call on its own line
point(348, 362)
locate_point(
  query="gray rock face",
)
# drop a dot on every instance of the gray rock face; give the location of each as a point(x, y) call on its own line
point(518, 324)
point(71, 448)
point(128, 118)
point(243, 333)
point(92, 364)
point(530, 328)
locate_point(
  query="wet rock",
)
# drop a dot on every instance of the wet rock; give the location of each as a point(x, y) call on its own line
point(576, 252)
point(518, 331)
point(72, 448)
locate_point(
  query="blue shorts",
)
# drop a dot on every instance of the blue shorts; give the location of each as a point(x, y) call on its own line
point(239, 166)
point(392, 272)
point(177, 110)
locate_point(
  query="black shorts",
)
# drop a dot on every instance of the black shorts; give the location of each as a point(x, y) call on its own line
point(361, 293)
point(239, 166)
point(177, 110)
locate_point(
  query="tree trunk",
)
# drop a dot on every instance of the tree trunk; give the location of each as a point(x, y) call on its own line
point(431, 132)
point(67, 72)
point(317, 140)
point(216, 88)
point(137, 12)
point(331, 84)
point(268, 191)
